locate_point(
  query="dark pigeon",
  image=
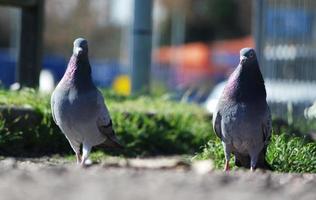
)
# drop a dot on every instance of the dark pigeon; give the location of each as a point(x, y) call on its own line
point(78, 106)
point(242, 119)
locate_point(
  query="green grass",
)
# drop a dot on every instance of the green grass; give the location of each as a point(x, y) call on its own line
point(285, 153)
point(292, 154)
point(143, 104)
point(28, 98)
point(148, 126)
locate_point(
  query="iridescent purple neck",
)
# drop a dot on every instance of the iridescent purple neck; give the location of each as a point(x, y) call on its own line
point(78, 73)
point(246, 84)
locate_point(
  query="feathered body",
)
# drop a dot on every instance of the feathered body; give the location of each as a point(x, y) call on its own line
point(242, 119)
point(78, 106)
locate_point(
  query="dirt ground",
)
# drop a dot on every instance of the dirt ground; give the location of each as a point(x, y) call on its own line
point(155, 179)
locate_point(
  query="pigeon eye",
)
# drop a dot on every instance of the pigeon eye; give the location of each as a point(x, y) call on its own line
point(251, 54)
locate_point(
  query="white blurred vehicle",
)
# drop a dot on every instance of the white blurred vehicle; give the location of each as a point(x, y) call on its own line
point(286, 92)
point(211, 101)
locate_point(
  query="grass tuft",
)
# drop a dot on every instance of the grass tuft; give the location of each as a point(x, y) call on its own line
point(285, 153)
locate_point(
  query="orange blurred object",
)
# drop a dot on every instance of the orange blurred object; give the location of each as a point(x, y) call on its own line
point(232, 45)
point(189, 55)
point(196, 61)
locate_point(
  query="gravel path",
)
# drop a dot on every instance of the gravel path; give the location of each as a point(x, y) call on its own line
point(49, 179)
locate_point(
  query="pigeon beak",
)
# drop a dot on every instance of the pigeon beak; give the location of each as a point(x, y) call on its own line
point(78, 50)
point(243, 59)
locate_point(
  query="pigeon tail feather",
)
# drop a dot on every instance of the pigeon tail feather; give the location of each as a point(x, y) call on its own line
point(244, 161)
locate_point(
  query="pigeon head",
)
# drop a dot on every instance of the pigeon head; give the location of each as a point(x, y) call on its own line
point(80, 47)
point(247, 55)
point(78, 71)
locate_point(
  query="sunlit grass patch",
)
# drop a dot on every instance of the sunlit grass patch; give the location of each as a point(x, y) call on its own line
point(285, 153)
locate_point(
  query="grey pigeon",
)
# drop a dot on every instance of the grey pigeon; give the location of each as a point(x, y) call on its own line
point(78, 106)
point(242, 119)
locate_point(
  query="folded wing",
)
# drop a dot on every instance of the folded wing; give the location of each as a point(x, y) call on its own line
point(104, 124)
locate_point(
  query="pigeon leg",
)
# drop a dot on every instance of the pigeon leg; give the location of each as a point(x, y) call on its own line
point(227, 168)
point(78, 156)
point(253, 161)
point(76, 147)
point(85, 153)
point(227, 150)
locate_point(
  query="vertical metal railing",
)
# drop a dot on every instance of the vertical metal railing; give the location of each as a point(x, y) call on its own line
point(285, 38)
point(285, 34)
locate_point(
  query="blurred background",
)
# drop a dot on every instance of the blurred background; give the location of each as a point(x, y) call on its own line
point(195, 46)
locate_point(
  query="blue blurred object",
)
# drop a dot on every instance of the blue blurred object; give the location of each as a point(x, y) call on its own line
point(103, 71)
point(227, 59)
point(291, 22)
point(55, 64)
point(7, 68)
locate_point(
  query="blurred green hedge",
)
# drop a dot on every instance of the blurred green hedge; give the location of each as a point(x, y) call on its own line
point(145, 125)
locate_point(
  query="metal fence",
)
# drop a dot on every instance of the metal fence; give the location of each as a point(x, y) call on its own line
point(285, 33)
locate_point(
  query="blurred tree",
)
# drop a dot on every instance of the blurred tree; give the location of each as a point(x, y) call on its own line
point(207, 20)
point(78, 18)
